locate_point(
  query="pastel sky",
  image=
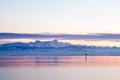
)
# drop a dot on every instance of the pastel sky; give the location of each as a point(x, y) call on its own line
point(63, 17)
point(60, 16)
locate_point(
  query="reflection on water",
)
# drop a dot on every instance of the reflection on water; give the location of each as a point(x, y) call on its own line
point(60, 60)
point(60, 68)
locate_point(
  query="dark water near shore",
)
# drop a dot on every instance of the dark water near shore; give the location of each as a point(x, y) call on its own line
point(60, 68)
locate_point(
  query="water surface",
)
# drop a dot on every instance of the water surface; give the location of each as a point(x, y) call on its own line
point(60, 68)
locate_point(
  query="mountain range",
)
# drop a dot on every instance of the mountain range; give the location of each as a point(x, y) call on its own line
point(54, 48)
point(37, 44)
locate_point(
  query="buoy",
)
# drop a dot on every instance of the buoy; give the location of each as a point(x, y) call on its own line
point(86, 57)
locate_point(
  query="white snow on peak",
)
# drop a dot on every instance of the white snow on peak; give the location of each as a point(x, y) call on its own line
point(54, 43)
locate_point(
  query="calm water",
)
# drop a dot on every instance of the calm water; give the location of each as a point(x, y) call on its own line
point(60, 68)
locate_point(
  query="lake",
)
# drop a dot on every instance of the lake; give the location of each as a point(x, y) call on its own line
point(59, 68)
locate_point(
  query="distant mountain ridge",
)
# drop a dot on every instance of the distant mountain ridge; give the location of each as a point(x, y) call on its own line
point(40, 44)
point(55, 48)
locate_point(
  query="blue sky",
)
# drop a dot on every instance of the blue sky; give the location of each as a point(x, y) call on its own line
point(60, 16)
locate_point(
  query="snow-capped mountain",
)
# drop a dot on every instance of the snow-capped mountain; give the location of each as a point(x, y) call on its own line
point(42, 44)
point(54, 48)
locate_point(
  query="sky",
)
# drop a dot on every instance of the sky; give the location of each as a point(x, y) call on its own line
point(82, 39)
point(61, 16)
